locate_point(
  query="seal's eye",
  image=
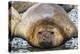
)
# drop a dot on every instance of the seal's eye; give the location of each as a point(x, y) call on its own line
point(39, 32)
point(51, 32)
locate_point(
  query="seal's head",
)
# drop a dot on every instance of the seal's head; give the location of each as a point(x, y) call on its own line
point(46, 34)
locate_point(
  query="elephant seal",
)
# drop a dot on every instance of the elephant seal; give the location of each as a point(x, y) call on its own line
point(45, 26)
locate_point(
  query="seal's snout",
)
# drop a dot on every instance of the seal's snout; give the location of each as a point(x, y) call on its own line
point(45, 36)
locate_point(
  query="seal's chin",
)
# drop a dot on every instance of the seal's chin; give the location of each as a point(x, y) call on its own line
point(45, 44)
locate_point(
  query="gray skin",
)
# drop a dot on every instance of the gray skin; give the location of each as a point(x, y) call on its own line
point(46, 25)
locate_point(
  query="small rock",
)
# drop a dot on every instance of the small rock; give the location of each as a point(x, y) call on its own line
point(73, 15)
point(21, 6)
point(72, 43)
point(19, 43)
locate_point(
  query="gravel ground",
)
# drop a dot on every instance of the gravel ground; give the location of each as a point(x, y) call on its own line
point(20, 45)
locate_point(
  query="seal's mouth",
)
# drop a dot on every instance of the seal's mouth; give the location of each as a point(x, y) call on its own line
point(46, 44)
